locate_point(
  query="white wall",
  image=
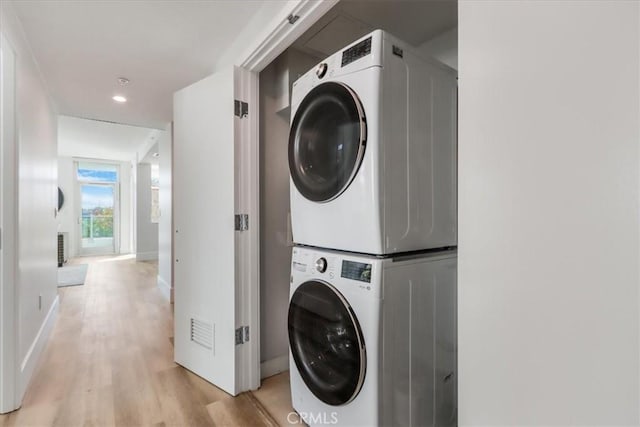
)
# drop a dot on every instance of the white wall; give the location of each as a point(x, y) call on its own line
point(146, 231)
point(549, 213)
point(127, 201)
point(8, 223)
point(165, 226)
point(275, 254)
point(68, 215)
point(444, 48)
point(37, 200)
point(275, 233)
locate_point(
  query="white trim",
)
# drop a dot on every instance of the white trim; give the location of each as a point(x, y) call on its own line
point(146, 256)
point(253, 254)
point(274, 366)
point(278, 36)
point(281, 34)
point(94, 160)
point(30, 361)
point(248, 242)
point(164, 287)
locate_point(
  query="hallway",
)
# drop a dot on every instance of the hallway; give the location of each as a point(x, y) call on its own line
point(110, 362)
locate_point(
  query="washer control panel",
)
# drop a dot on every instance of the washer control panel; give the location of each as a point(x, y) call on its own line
point(311, 263)
point(308, 264)
point(356, 271)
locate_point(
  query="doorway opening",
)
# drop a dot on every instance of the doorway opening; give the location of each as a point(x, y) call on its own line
point(98, 221)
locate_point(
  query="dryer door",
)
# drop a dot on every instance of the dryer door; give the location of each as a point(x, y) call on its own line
point(327, 141)
point(326, 343)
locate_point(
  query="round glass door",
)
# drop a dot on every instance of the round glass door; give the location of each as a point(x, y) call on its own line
point(326, 343)
point(327, 141)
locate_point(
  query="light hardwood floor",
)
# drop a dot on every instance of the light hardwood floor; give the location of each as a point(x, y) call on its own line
point(109, 362)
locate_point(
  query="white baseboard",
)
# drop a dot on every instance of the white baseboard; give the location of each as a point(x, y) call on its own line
point(165, 288)
point(274, 366)
point(30, 361)
point(146, 256)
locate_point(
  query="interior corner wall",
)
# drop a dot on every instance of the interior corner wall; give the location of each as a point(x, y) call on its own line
point(127, 200)
point(549, 217)
point(146, 231)
point(67, 216)
point(444, 48)
point(275, 254)
point(37, 200)
point(275, 232)
point(165, 226)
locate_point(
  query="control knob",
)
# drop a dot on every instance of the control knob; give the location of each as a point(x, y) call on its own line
point(321, 265)
point(321, 70)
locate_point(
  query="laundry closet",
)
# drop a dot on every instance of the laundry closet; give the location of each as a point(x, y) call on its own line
point(430, 28)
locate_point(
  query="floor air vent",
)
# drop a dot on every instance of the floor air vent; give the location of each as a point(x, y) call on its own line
point(202, 333)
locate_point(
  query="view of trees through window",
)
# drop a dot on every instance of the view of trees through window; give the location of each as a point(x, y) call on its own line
point(97, 222)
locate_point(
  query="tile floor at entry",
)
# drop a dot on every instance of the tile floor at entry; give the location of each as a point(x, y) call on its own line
point(109, 362)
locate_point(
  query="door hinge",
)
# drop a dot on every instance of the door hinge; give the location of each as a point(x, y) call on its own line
point(242, 335)
point(242, 222)
point(240, 108)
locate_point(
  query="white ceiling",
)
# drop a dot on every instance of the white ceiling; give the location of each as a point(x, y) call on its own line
point(94, 139)
point(82, 47)
point(414, 21)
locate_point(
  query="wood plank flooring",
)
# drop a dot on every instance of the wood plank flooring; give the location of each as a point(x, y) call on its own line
point(109, 362)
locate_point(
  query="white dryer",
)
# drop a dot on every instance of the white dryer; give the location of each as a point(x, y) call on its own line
point(373, 341)
point(372, 151)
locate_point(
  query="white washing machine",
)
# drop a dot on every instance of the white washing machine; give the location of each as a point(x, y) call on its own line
point(372, 151)
point(373, 341)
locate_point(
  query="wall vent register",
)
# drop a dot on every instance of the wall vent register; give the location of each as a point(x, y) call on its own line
point(356, 52)
point(201, 333)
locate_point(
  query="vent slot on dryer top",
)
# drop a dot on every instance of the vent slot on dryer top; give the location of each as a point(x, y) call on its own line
point(202, 333)
point(357, 51)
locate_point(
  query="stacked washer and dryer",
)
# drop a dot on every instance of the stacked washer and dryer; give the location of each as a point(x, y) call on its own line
point(372, 313)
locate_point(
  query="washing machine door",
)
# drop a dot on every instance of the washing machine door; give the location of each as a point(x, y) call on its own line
point(326, 343)
point(327, 141)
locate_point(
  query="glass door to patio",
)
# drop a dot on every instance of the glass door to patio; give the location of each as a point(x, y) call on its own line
point(99, 206)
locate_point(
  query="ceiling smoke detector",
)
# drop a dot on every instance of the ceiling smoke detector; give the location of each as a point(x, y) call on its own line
point(123, 81)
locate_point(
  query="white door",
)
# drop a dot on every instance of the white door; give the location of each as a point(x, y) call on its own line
point(215, 178)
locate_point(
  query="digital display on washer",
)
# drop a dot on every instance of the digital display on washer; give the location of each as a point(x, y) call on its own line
point(356, 271)
point(356, 52)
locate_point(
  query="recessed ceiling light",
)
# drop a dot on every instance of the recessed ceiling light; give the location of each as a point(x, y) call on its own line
point(123, 81)
point(119, 98)
point(155, 154)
